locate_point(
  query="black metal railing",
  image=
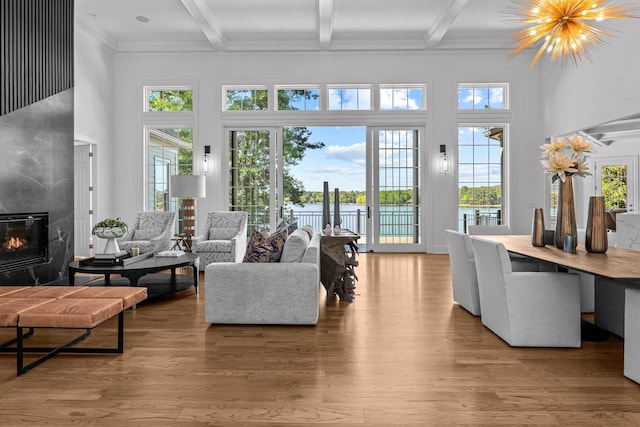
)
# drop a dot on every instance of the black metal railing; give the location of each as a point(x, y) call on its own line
point(484, 218)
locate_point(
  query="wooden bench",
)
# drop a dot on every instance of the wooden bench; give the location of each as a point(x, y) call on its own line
point(64, 307)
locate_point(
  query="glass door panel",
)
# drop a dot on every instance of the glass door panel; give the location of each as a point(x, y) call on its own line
point(615, 180)
point(255, 177)
point(393, 190)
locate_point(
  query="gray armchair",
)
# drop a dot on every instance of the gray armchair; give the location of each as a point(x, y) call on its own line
point(223, 238)
point(150, 232)
point(530, 309)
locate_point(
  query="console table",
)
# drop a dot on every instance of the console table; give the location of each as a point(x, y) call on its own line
point(337, 265)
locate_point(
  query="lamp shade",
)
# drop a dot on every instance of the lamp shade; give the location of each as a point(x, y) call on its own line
point(188, 186)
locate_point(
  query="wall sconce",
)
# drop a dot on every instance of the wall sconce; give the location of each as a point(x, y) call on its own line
point(206, 160)
point(444, 160)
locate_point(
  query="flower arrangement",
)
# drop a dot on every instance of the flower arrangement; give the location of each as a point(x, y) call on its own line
point(110, 223)
point(564, 157)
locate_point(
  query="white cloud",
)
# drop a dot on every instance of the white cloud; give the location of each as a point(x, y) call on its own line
point(354, 153)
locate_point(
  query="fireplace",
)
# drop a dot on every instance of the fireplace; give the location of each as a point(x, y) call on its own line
point(23, 240)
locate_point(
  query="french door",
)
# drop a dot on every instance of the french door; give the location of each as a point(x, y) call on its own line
point(615, 179)
point(394, 216)
point(256, 176)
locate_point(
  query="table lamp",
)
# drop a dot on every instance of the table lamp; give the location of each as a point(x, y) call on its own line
point(188, 188)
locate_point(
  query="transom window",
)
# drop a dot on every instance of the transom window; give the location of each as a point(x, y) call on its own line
point(168, 99)
point(246, 98)
point(482, 96)
point(402, 97)
point(298, 98)
point(349, 97)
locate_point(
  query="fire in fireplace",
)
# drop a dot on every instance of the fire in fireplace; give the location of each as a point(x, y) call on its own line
point(23, 240)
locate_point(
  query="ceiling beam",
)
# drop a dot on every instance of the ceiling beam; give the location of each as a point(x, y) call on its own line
point(444, 22)
point(325, 23)
point(206, 21)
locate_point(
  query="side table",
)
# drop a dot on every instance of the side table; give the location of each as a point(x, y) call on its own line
point(337, 265)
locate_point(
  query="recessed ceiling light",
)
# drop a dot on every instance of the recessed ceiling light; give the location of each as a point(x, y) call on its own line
point(141, 18)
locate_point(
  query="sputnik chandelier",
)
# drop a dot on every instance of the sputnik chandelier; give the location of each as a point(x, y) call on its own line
point(566, 27)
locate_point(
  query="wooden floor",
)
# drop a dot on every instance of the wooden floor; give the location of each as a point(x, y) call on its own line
point(402, 354)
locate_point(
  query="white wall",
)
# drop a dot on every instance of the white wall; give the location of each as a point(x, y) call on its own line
point(94, 111)
point(441, 71)
point(595, 91)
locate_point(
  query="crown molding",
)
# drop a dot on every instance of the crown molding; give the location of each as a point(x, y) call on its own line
point(86, 23)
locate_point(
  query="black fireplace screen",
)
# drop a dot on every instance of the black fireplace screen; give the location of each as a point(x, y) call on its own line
point(23, 240)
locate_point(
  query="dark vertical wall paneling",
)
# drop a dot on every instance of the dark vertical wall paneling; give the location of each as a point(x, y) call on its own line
point(36, 51)
point(36, 128)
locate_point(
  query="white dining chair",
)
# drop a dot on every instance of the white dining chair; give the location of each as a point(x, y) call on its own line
point(531, 309)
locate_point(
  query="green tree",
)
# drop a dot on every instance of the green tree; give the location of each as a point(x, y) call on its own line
point(614, 186)
point(251, 164)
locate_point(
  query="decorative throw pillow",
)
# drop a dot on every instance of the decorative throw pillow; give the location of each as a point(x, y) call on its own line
point(222, 233)
point(294, 246)
point(146, 234)
point(290, 227)
point(277, 240)
point(258, 247)
point(265, 247)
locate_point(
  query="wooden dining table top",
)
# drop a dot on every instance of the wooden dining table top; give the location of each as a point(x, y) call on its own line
point(616, 263)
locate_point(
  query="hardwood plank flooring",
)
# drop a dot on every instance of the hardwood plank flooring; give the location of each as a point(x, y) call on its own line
point(402, 354)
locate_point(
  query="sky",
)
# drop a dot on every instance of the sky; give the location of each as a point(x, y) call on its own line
point(341, 162)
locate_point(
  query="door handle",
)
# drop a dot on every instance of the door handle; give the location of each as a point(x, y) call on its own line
point(368, 212)
point(281, 211)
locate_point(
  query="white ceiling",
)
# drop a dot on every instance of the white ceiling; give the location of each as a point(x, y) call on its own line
point(312, 25)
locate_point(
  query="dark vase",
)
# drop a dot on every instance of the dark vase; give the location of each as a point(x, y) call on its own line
point(326, 216)
point(596, 234)
point(537, 229)
point(566, 216)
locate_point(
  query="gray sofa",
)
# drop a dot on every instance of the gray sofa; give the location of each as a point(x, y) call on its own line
point(284, 293)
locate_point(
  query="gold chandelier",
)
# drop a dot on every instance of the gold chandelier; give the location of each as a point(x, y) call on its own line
point(567, 27)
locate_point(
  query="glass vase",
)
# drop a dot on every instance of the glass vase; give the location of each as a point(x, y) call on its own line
point(566, 215)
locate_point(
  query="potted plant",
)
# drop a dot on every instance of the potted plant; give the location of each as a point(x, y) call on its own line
point(110, 229)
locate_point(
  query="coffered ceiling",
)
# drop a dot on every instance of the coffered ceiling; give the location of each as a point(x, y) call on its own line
point(309, 25)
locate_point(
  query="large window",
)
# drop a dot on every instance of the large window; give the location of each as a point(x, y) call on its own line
point(169, 152)
point(482, 96)
point(480, 175)
point(402, 97)
point(169, 122)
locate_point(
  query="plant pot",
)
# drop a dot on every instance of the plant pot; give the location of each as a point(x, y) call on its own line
point(111, 234)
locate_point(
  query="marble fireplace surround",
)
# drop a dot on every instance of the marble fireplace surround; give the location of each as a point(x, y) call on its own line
point(36, 148)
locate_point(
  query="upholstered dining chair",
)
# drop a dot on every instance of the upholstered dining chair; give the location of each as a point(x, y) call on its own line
point(530, 309)
point(223, 238)
point(150, 232)
point(463, 271)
